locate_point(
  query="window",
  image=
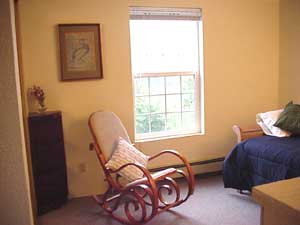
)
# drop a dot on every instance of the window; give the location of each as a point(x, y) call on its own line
point(166, 56)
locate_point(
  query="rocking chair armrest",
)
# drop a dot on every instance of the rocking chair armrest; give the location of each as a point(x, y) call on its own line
point(136, 164)
point(190, 177)
point(139, 166)
point(182, 158)
point(172, 152)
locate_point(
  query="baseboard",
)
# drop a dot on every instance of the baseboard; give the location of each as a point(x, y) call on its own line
point(209, 174)
point(196, 163)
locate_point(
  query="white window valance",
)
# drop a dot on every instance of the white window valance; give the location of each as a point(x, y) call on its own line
point(149, 13)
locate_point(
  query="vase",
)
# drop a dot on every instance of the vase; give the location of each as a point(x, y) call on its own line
point(42, 108)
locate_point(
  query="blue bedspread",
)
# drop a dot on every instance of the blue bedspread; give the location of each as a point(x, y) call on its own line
point(262, 160)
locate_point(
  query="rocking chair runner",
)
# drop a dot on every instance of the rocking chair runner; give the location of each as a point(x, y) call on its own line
point(143, 198)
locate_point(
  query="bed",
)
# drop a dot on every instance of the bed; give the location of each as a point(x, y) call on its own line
point(261, 160)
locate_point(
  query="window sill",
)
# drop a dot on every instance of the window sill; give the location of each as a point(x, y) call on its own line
point(168, 137)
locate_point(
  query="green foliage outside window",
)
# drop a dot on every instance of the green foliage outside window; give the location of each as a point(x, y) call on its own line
point(179, 104)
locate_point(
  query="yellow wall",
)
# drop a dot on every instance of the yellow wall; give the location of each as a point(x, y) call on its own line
point(289, 58)
point(241, 73)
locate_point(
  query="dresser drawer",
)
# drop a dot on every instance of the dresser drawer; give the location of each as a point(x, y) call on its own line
point(48, 131)
point(49, 157)
point(51, 184)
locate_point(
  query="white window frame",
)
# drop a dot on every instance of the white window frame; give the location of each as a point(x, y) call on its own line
point(142, 13)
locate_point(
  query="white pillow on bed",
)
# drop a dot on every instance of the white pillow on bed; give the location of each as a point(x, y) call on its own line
point(267, 120)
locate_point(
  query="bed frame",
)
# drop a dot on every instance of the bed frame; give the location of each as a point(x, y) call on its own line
point(244, 133)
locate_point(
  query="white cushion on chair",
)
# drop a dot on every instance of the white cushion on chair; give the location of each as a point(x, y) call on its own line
point(126, 153)
point(107, 128)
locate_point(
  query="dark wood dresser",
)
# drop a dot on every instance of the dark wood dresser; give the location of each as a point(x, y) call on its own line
point(48, 160)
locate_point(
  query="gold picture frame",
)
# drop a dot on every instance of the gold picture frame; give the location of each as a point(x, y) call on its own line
point(80, 51)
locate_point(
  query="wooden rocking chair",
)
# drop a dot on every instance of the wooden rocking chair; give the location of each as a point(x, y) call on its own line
point(143, 198)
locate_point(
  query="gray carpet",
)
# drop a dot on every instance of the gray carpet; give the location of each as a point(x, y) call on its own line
point(210, 205)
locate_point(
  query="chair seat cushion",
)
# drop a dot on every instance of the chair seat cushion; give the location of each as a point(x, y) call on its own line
point(163, 173)
point(157, 176)
point(126, 153)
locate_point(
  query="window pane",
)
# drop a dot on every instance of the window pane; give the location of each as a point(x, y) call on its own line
point(141, 86)
point(173, 121)
point(142, 105)
point(173, 103)
point(157, 85)
point(157, 122)
point(188, 120)
point(142, 124)
point(188, 84)
point(157, 104)
point(173, 85)
point(188, 102)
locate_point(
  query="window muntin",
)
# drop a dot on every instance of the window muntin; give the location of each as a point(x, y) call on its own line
point(165, 67)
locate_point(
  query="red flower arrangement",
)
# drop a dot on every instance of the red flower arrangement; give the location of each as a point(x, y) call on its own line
point(39, 94)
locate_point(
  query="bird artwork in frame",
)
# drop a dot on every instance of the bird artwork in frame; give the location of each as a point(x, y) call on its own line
point(80, 51)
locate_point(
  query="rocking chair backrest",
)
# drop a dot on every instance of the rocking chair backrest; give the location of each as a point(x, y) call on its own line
point(106, 128)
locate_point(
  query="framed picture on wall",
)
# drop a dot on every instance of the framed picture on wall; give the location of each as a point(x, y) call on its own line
point(80, 51)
